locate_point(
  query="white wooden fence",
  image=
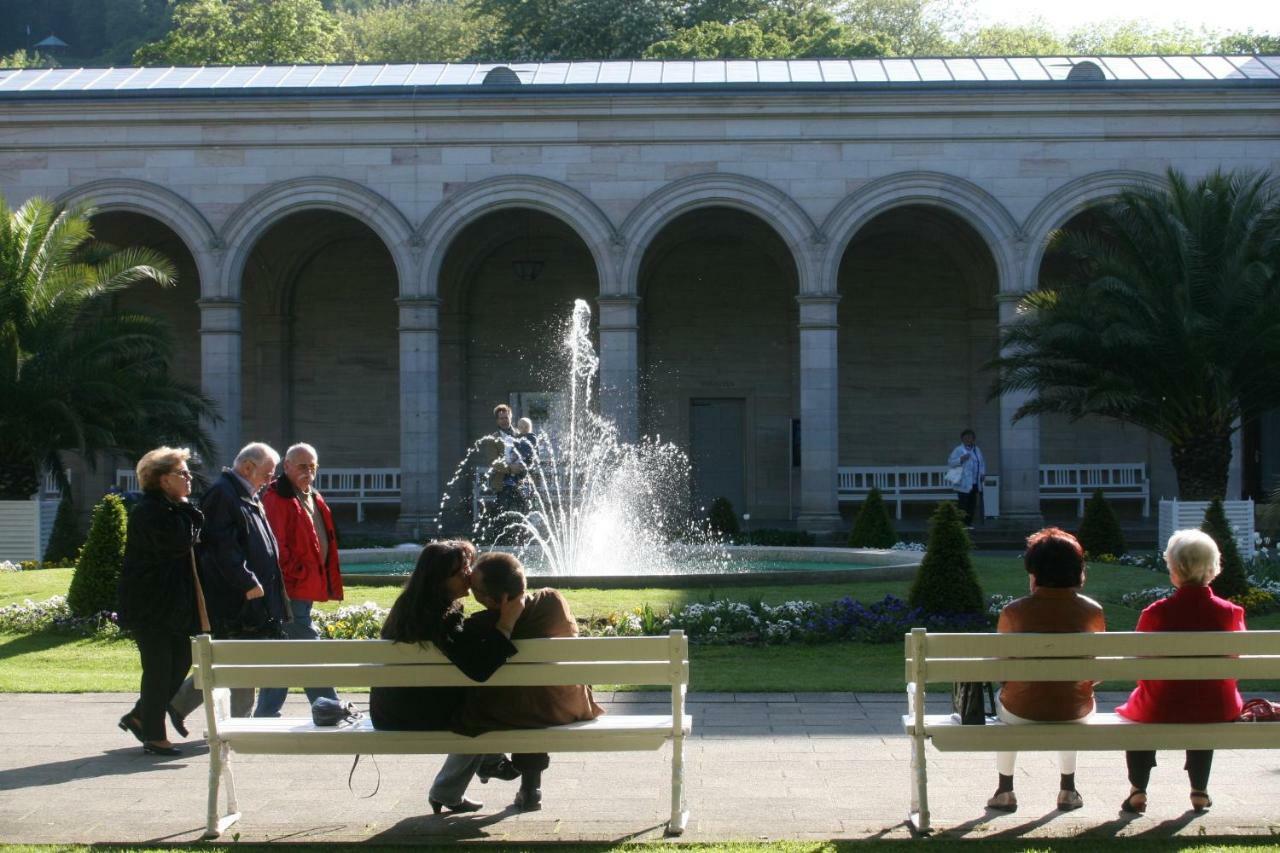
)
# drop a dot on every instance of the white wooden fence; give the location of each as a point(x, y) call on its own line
point(1179, 515)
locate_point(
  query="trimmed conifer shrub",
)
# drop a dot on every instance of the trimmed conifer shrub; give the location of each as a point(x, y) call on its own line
point(1100, 529)
point(945, 581)
point(873, 528)
point(722, 518)
point(1232, 581)
point(93, 586)
point(65, 539)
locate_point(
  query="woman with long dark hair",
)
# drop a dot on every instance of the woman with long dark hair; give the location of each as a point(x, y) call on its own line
point(429, 610)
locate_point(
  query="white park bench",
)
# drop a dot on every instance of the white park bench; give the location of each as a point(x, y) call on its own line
point(1111, 656)
point(223, 664)
point(914, 484)
point(126, 480)
point(359, 486)
point(1118, 481)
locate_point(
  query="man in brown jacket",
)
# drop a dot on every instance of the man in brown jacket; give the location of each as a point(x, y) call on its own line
point(546, 614)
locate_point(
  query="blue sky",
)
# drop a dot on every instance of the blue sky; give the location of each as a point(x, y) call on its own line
point(1233, 15)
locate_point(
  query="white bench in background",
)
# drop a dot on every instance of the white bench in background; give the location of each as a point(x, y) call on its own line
point(914, 484)
point(1123, 656)
point(1118, 481)
point(126, 480)
point(359, 486)
point(223, 664)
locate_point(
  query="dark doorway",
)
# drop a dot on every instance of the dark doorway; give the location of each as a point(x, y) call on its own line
point(716, 429)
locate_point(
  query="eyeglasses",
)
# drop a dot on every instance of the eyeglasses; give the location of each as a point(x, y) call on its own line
point(309, 467)
point(182, 472)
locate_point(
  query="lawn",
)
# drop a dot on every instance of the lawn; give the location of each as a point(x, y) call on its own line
point(55, 663)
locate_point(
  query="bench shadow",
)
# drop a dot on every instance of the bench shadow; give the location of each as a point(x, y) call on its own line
point(39, 642)
point(467, 827)
point(963, 830)
point(114, 762)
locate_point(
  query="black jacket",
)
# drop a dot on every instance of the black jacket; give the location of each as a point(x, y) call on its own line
point(476, 649)
point(156, 590)
point(237, 550)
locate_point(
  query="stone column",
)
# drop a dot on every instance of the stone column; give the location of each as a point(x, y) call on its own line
point(1019, 447)
point(819, 413)
point(220, 360)
point(419, 415)
point(619, 365)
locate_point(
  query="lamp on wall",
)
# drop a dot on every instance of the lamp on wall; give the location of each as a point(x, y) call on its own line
point(527, 269)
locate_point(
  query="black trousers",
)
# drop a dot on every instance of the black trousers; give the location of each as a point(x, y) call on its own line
point(1198, 764)
point(531, 765)
point(968, 504)
point(166, 658)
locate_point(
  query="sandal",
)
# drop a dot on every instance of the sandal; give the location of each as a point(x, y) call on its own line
point(1135, 803)
point(1200, 800)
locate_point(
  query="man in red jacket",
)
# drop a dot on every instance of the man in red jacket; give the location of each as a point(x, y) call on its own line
point(308, 546)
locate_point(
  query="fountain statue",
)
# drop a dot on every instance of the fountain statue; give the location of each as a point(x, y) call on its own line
point(583, 502)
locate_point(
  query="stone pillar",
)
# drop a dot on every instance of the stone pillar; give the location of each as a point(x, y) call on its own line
point(819, 413)
point(1019, 447)
point(419, 415)
point(619, 364)
point(220, 360)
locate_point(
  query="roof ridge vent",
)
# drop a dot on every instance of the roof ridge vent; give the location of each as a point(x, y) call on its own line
point(1084, 70)
point(500, 75)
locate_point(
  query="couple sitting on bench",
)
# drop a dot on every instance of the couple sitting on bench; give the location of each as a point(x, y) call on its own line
point(430, 610)
point(1056, 564)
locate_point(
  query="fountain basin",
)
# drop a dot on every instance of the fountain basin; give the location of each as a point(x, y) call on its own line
point(753, 565)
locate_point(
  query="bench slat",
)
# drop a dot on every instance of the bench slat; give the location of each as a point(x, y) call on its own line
point(1105, 644)
point(512, 674)
point(1101, 669)
point(1103, 732)
point(384, 651)
point(610, 733)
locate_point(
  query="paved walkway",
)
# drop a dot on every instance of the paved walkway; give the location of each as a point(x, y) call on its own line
point(759, 766)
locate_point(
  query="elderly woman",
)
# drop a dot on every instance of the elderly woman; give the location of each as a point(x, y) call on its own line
point(159, 596)
point(1055, 562)
point(1193, 561)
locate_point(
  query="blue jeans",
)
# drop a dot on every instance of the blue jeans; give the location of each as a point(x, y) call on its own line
point(271, 699)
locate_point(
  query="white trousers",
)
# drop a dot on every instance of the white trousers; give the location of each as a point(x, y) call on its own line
point(1005, 761)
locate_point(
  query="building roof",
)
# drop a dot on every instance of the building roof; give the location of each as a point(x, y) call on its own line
point(793, 74)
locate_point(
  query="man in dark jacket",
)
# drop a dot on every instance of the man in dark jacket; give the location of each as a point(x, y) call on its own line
point(239, 565)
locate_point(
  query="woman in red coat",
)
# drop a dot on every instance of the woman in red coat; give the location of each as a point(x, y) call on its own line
point(1194, 561)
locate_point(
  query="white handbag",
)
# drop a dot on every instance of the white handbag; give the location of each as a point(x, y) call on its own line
point(955, 475)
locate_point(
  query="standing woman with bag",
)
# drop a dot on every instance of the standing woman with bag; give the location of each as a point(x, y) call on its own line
point(160, 601)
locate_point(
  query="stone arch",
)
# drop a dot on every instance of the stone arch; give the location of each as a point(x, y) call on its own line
point(972, 204)
point(768, 203)
point(252, 219)
point(1073, 197)
point(436, 234)
point(157, 202)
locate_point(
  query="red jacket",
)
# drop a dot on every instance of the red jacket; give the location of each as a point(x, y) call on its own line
point(1191, 608)
point(305, 579)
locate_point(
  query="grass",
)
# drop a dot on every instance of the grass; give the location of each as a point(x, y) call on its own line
point(54, 663)
point(935, 845)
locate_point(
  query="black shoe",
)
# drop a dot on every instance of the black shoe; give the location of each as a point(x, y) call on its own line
point(157, 749)
point(504, 770)
point(529, 799)
point(463, 805)
point(129, 723)
point(175, 720)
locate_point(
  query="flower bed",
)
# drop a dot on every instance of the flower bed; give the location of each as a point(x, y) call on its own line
point(54, 615)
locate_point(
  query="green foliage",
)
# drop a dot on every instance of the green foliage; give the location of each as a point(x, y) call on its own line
point(1034, 39)
point(93, 586)
point(28, 59)
point(776, 538)
point(1232, 581)
point(1256, 602)
point(809, 30)
point(1100, 532)
point(74, 375)
point(431, 31)
point(1249, 42)
point(239, 32)
point(578, 29)
point(873, 528)
point(1119, 37)
point(721, 518)
point(65, 539)
point(907, 27)
point(945, 581)
point(1169, 319)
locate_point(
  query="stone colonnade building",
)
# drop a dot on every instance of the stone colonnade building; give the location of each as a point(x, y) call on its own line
point(795, 265)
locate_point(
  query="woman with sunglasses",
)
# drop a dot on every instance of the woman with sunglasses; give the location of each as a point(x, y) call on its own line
point(159, 598)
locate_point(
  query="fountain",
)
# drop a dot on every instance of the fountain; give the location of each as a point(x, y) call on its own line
point(591, 504)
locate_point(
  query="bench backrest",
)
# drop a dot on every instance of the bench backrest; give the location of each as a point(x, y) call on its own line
point(893, 479)
point(343, 483)
point(1094, 476)
point(1112, 655)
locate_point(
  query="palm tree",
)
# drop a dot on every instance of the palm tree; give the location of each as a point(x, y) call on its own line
point(75, 375)
point(1171, 321)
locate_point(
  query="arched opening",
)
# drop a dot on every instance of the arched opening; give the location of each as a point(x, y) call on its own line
point(1092, 440)
point(320, 348)
point(507, 285)
point(918, 322)
point(718, 356)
